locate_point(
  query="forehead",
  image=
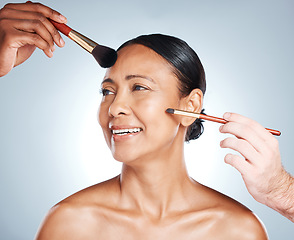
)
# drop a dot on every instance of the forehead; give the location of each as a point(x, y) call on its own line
point(139, 60)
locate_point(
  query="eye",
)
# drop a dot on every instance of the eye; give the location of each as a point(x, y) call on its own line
point(106, 92)
point(138, 88)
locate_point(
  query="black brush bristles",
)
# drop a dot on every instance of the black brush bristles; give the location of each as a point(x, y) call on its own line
point(170, 110)
point(105, 56)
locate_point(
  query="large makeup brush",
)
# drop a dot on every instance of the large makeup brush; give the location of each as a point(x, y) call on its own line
point(209, 118)
point(105, 56)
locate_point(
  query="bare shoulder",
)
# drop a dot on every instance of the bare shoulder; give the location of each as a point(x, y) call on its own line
point(232, 219)
point(242, 224)
point(83, 208)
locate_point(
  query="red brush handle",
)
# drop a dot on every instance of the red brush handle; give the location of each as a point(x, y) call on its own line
point(221, 120)
point(61, 27)
point(213, 119)
point(274, 132)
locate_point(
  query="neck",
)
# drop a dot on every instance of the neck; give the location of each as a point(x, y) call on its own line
point(157, 186)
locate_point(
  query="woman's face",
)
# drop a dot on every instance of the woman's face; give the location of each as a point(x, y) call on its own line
point(136, 92)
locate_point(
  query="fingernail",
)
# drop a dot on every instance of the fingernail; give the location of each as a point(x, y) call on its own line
point(61, 41)
point(53, 48)
point(62, 18)
point(221, 128)
point(50, 53)
point(227, 115)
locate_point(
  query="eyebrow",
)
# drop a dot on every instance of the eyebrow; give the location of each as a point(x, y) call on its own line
point(129, 77)
point(139, 76)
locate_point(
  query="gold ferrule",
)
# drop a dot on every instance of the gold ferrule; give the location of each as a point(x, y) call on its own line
point(187, 114)
point(82, 40)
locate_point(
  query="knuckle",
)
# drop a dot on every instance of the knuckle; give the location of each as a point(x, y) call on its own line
point(8, 5)
point(275, 143)
point(244, 128)
point(37, 23)
point(55, 32)
point(272, 148)
point(4, 11)
point(3, 25)
point(41, 17)
point(37, 6)
point(51, 12)
point(233, 115)
point(36, 38)
point(269, 152)
point(44, 9)
point(242, 143)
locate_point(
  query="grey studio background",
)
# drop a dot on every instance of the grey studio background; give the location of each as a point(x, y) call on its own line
point(52, 145)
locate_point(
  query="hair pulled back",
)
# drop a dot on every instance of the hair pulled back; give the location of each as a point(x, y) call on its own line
point(186, 66)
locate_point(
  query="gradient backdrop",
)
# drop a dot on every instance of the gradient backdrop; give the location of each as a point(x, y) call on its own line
point(52, 145)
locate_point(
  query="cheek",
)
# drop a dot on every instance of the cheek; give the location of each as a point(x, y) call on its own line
point(153, 115)
point(101, 115)
point(103, 121)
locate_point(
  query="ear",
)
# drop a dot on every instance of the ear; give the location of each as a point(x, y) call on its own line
point(192, 103)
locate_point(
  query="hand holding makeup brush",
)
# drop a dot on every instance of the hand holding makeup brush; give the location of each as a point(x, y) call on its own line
point(259, 164)
point(23, 27)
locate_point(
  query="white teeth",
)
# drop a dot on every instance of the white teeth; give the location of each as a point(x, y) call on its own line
point(126, 131)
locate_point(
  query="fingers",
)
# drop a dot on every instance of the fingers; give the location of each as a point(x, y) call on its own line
point(241, 146)
point(34, 17)
point(247, 129)
point(28, 32)
point(238, 162)
point(259, 148)
point(38, 19)
point(40, 8)
point(36, 40)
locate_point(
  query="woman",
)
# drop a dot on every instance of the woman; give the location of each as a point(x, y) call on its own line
point(153, 197)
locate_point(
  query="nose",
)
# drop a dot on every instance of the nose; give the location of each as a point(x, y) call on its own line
point(120, 106)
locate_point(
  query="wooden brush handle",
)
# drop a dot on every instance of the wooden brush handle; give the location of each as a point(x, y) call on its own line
point(61, 27)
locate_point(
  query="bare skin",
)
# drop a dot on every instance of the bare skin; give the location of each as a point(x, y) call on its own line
point(260, 164)
point(153, 197)
point(23, 27)
point(102, 212)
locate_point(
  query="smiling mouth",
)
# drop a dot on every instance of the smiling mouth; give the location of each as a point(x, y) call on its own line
point(126, 131)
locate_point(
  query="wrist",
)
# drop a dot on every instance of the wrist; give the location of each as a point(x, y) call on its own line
point(281, 197)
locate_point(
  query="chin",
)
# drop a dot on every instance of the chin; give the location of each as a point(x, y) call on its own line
point(124, 156)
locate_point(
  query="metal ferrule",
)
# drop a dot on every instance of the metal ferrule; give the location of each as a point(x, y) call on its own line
point(82, 40)
point(187, 114)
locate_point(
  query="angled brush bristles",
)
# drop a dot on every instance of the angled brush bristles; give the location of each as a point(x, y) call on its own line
point(105, 56)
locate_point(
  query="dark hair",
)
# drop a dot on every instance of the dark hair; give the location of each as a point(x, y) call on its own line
point(186, 66)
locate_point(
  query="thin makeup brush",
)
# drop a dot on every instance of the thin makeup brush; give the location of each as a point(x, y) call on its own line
point(209, 118)
point(105, 56)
